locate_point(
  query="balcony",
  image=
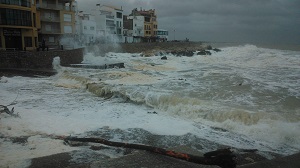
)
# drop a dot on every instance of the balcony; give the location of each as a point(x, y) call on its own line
point(110, 25)
point(110, 17)
point(52, 31)
point(54, 7)
point(16, 2)
point(50, 19)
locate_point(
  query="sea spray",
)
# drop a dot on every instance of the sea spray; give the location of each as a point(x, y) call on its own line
point(56, 63)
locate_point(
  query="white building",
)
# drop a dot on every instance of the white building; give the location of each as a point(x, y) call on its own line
point(135, 28)
point(162, 35)
point(86, 28)
point(109, 24)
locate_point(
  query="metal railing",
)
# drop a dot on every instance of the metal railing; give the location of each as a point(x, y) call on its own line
point(110, 17)
point(52, 31)
point(50, 19)
point(56, 7)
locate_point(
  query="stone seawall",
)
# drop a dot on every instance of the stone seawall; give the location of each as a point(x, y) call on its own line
point(38, 60)
point(101, 49)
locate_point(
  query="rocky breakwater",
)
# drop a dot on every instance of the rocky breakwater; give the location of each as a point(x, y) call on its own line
point(181, 51)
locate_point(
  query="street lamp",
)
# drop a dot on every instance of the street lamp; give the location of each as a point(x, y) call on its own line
point(174, 34)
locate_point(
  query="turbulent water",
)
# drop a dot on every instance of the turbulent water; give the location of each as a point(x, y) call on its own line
point(244, 97)
point(248, 92)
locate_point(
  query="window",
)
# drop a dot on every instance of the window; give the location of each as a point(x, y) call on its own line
point(0, 42)
point(32, 2)
point(51, 39)
point(110, 23)
point(67, 17)
point(25, 3)
point(35, 41)
point(34, 20)
point(68, 29)
point(48, 27)
point(84, 27)
point(92, 28)
point(15, 17)
point(28, 41)
point(119, 31)
point(119, 15)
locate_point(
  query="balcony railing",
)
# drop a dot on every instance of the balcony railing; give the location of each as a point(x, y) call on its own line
point(50, 19)
point(52, 31)
point(111, 25)
point(55, 7)
point(110, 17)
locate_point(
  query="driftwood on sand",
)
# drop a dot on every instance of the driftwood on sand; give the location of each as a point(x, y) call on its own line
point(222, 157)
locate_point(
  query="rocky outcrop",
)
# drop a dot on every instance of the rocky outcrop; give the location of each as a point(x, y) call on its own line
point(204, 52)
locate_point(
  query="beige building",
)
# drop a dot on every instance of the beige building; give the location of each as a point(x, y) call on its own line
point(57, 20)
point(18, 25)
point(150, 23)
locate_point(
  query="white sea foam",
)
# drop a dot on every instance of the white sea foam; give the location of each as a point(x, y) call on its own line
point(249, 91)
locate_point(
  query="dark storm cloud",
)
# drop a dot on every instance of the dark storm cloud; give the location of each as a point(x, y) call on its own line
point(263, 21)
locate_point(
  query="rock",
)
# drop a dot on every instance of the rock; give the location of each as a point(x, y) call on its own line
point(208, 52)
point(204, 52)
point(189, 53)
point(216, 49)
point(164, 58)
point(209, 47)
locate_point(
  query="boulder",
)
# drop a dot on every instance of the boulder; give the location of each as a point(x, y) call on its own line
point(209, 47)
point(204, 52)
point(216, 49)
point(164, 58)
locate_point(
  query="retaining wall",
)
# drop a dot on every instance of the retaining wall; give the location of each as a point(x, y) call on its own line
point(101, 49)
point(38, 59)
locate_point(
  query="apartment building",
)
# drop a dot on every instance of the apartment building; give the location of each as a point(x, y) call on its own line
point(150, 23)
point(162, 35)
point(18, 25)
point(86, 28)
point(134, 26)
point(109, 21)
point(57, 20)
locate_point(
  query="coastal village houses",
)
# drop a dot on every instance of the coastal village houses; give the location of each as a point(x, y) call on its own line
point(57, 21)
point(18, 25)
point(109, 23)
point(133, 29)
point(26, 24)
point(85, 28)
point(150, 23)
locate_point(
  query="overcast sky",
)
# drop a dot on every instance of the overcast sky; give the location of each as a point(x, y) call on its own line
point(253, 21)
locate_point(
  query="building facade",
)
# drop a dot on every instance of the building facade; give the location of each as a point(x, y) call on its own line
point(18, 25)
point(57, 21)
point(162, 35)
point(109, 21)
point(150, 23)
point(86, 28)
point(135, 27)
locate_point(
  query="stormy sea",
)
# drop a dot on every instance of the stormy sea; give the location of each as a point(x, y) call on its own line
point(242, 97)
